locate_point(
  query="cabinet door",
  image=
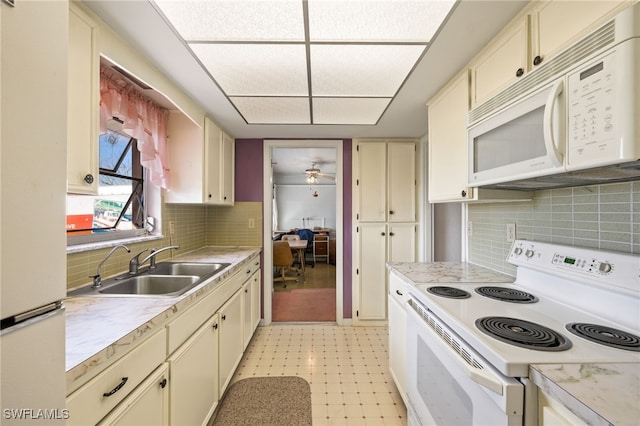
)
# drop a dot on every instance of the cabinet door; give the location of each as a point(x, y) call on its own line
point(186, 150)
point(448, 149)
point(397, 337)
point(401, 181)
point(402, 242)
point(558, 24)
point(255, 300)
point(148, 404)
point(212, 161)
point(503, 63)
point(247, 326)
point(82, 107)
point(231, 346)
point(371, 176)
point(227, 168)
point(194, 376)
point(372, 272)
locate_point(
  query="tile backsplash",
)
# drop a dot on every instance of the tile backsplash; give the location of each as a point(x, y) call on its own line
point(606, 217)
point(195, 226)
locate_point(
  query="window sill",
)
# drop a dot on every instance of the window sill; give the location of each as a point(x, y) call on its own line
point(79, 248)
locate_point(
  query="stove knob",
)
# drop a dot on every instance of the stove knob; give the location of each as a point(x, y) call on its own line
point(529, 253)
point(517, 251)
point(605, 268)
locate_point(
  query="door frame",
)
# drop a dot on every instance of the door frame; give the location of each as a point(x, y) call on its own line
point(267, 215)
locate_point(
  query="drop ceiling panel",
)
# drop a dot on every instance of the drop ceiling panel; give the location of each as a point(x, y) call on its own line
point(361, 70)
point(365, 111)
point(273, 110)
point(235, 20)
point(379, 21)
point(256, 69)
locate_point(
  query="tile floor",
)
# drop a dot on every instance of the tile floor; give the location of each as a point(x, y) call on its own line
point(347, 368)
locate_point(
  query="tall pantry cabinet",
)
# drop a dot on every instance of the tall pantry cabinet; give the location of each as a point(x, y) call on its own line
point(384, 191)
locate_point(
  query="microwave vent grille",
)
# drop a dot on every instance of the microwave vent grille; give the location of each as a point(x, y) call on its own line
point(560, 64)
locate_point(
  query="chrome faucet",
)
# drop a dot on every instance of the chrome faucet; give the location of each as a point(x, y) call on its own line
point(135, 261)
point(97, 279)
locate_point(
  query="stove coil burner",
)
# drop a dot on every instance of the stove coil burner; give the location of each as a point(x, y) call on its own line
point(606, 336)
point(450, 292)
point(507, 294)
point(523, 333)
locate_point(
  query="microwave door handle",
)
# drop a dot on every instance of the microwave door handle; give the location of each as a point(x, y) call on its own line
point(549, 109)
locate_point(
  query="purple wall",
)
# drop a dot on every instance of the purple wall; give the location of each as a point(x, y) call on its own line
point(249, 187)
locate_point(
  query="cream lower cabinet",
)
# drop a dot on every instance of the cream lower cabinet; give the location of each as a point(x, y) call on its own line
point(553, 413)
point(231, 342)
point(194, 376)
point(250, 307)
point(380, 243)
point(121, 386)
point(148, 405)
point(398, 299)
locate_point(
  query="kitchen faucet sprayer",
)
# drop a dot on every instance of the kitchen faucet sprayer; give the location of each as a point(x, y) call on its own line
point(135, 263)
point(97, 279)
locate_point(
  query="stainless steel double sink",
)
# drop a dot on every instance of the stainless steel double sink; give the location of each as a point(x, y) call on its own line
point(166, 279)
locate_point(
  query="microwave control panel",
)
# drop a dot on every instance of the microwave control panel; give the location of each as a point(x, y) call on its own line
point(592, 132)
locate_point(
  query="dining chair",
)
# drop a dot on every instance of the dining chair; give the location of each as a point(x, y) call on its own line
point(283, 259)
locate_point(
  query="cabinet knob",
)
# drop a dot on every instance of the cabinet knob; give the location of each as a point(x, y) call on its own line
point(225, 197)
point(390, 211)
point(519, 72)
point(463, 193)
point(398, 293)
point(215, 325)
point(88, 178)
point(246, 290)
point(537, 60)
point(209, 195)
point(383, 234)
point(224, 317)
point(391, 234)
point(163, 383)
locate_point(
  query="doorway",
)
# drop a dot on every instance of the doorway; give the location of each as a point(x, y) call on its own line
point(303, 196)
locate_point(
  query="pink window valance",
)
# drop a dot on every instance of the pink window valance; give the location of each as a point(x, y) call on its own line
point(142, 119)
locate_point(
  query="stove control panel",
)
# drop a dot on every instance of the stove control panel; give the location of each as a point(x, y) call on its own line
point(590, 265)
point(616, 269)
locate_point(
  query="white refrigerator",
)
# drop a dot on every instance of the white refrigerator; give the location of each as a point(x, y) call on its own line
point(33, 126)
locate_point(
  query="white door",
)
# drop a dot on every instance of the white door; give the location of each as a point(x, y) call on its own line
point(401, 181)
point(231, 347)
point(402, 242)
point(372, 181)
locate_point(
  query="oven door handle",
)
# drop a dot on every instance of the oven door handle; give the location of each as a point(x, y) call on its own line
point(481, 375)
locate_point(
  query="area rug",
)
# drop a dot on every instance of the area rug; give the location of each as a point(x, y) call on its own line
point(314, 304)
point(282, 400)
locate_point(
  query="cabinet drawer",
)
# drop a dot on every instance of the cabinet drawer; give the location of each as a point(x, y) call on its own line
point(89, 404)
point(398, 289)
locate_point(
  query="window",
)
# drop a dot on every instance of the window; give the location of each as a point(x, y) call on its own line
point(118, 210)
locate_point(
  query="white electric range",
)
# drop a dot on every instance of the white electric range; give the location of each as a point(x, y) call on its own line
point(474, 342)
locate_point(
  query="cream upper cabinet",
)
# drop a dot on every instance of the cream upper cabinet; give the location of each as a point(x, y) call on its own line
point(558, 24)
point(448, 151)
point(541, 31)
point(386, 180)
point(83, 102)
point(202, 162)
point(502, 63)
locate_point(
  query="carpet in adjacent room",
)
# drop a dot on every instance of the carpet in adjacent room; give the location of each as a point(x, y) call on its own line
point(314, 304)
point(282, 400)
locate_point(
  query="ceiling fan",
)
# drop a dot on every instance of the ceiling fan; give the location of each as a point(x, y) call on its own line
point(314, 173)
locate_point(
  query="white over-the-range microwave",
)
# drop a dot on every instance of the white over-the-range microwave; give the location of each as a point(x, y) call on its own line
point(574, 121)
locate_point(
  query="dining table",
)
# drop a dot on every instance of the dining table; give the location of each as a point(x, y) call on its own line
point(300, 246)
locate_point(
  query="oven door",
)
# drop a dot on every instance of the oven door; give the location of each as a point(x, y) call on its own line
point(449, 384)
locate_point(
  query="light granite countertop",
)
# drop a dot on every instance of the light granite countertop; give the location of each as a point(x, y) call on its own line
point(446, 272)
point(599, 394)
point(100, 330)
